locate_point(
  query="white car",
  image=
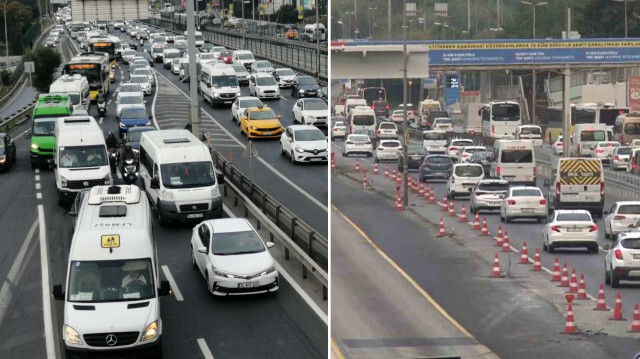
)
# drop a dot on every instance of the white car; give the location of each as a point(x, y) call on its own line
point(357, 144)
point(398, 116)
point(557, 146)
point(622, 261)
point(146, 72)
point(621, 215)
point(180, 39)
point(388, 150)
point(127, 101)
point(524, 202)
point(604, 150)
point(168, 54)
point(128, 55)
point(217, 50)
point(468, 151)
point(339, 129)
point(175, 65)
point(464, 178)
point(242, 74)
point(285, 77)
point(620, 158)
point(143, 81)
point(129, 89)
point(442, 124)
point(203, 56)
point(232, 257)
point(262, 66)
point(310, 111)
point(570, 228)
point(263, 85)
point(50, 42)
point(304, 143)
point(456, 145)
point(241, 104)
point(488, 195)
point(387, 130)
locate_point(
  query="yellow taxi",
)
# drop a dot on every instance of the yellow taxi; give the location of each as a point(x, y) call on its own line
point(261, 122)
point(291, 32)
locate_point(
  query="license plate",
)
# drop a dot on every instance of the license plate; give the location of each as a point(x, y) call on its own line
point(466, 185)
point(574, 230)
point(636, 256)
point(527, 210)
point(249, 285)
point(315, 159)
point(508, 177)
point(195, 215)
point(267, 133)
point(228, 102)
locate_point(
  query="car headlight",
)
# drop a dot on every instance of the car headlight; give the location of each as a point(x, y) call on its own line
point(107, 179)
point(222, 274)
point(312, 117)
point(63, 182)
point(166, 194)
point(34, 146)
point(254, 128)
point(122, 125)
point(150, 332)
point(301, 91)
point(299, 149)
point(269, 270)
point(71, 336)
point(215, 94)
point(3, 158)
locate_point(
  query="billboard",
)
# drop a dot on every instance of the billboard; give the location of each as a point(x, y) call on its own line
point(93, 10)
point(634, 92)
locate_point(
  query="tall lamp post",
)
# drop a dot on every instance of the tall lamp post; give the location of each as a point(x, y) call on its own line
point(533, 77)
point(6, 36)
point(407, 10)
point(371, 20)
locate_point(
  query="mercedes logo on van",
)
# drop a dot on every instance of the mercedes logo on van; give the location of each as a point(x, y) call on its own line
point(85, 183)
point(111, 340)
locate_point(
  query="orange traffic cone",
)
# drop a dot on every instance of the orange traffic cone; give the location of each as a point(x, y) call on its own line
point(399, 178)
point(365, 180)
point(500, 239)
point(476, 222)
point(601, 304)
point(442, 231)
point(445, 206)
point(582, 290)
point(393, 176)
point(452, 209)
point(357, 165)
point(432, 196)
point(386, 171)
point(375, 168)
point(485, 227)
point(524, 256)
point(496, 266)
point(635, 324)
point(333, 162)
point(421, 191)
point(570, 326)
point(573, 285)
point(499, 233)
point(505, 244)
point(463, 214)
point(564, 280)
point(617, 309)
point(555, 276)
point(427, 192)
point(398, 202)
point(537, 266)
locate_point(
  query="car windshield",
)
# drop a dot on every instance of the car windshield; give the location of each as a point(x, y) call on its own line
point(133, 113)
point(431, 136)
point(390, 144)
point(624, 151)
point(315, 104)
point(224, 81)
point(387, 126)
point(263, 64)
point(462, 143)
point(131, 100)
point(82, 156)
point(306, 80)
point(130, 88)
point(468, 171)
point(187, 174)
point(529, 192)
point(629, 209)
point(231, 243)
point(285, 72)
point(581, 217)
point(74, 98)
point(129, 53)
point(245, 56)
point(239, 69)
point(145, 72)
point(530, 131)
point(309, 135)
point(358, 138)
point(262, 115)
point(43, 126)
point(110, 281)
point(630, 243)
point(266, 81)
point(134, 136)
point(481, 155)
point(438, 159)
point(414, 149)
point(593, 136)
point(171, 55)
point(493, 186)
point(517, 156)
point(139, 79)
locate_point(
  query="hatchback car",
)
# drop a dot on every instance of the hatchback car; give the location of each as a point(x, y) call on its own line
point(387, 130)
point(143, 81)
point(397, 116)
point(456, 145)
point(620, 217)
point(467, 152)
point(523, 202)
point(132, 117)
point(232, 257)
point(557, 146)
point(620, 158)
point(263, 86)
point(442, 124)
point(488, 195)
point(371, 134)
point(304, 143)
point(339, 127)
point(435, 167)
point(622, 261)
point(357, 144)
point(570, 228)
point(310, 111)
point(7, 151)
point(464, 178)
point(242, 74)
point(415, 155)
point(388, 150)
point(146, 72)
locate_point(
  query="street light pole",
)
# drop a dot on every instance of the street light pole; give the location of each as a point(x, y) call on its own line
point(389, 20)
point(194, 111)
point(317, 33)
point(244, 40)
point(533, 77)
point(405, 123)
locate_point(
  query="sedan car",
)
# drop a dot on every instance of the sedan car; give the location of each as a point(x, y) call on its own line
point(467, 152)
point(127, 101)
point(523, 202)
point(622, 261)
point(570, 228)
point(263, 85)
point(339, 128)
point(557, 146)
point(388, 150)
point(284, 76)
point(128, 55)
point(143, 81)
point(50, 42)
point(133, 137)
point(435, 167)
point(146, 72)
point(241, 104)
point(357, 144)
point(464, 178)
point(132, 117)
point(371, 134)
point(387, 130)
point(397, 116)
point(242, 74)
point(7, 151)
point(305, 86)
point(261, 66)
point(232, 257)
point(415, 154)
point(620, 217)
point(260, 122)
point(304, 143)
point(310, 111)
point(620, 158)
point(604, 150)
point(488, 195)
point(226, 56)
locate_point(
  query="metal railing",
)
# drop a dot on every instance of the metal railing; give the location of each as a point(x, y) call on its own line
point(17, 117)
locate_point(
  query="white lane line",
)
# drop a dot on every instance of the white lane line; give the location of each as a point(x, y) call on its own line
point(174, 286)
point(153, 104)
point(101, 119)
point(109, 102)
point(260, 159)
point(39, 195)
point(205, 349)
point(37, 170)
point(46, 298)
point(37, 178)
point(37, 186)
point(10, 281)
point(118, 174)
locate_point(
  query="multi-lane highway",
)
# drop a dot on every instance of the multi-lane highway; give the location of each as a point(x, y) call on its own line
point(289, 324)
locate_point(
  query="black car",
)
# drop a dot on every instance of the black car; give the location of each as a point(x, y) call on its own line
point(305, 86)
point(436, 167)
point(133, 136)
point(416, 155)
point(381, 108)
point(483, 158)
point(7, 151)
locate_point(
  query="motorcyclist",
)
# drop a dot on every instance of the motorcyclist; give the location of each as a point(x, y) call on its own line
point(112, 141)
point(101, 101)
point(128, 153)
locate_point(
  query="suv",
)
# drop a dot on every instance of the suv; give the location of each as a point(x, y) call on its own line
point(620, 259)
point(381, 108)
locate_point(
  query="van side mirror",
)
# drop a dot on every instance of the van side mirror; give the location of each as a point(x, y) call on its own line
point(220, 178)
point(51, 164)
point(57, 293)
point(154, 183)
point(165, 289)
point(27, 135)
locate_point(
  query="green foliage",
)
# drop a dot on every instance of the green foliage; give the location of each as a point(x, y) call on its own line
point(46, 61)
point(287, 14)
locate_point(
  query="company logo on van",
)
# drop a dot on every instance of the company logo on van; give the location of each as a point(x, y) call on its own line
point(111, 340)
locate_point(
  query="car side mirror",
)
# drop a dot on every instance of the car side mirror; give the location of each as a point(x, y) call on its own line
point(606, 247)
point(27, 135)
point(165, 288)
point(202, 250)
point(279, 117)
point(150, 116)
point(208, 85)
point(270, 245)
point(154, 183)
point(57, 293)
point(220, 178)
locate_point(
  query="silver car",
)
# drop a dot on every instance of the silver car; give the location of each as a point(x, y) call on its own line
point(357, 144)
point(488, 195)
point(143, 81)
point(622, 261)
point(620, 158)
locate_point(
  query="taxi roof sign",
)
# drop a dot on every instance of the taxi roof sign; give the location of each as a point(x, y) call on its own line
point(110, 241)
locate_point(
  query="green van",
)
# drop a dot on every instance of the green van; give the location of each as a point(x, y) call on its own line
point(48, 108)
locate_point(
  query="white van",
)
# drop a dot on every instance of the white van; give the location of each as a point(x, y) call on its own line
point(579, 184)
point(80, 158)
point(179, 176)
point(464, 178)
point(243, 57)
point(112, 288)
point(361, 118)
point(585, 138)
point(315, 32)
point(198, 37)
point(76, 86)
point(218, 83)
point(514, 161)
point(434, 141)
point(352, 103)
point(529, 132)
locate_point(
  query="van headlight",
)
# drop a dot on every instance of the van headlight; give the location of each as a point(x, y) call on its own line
point(215, 192)
point(150, 332)
point(3, 158)
point(167, 194)
point(107, 179)
point(71, 336)
point(215, 94)
point(299, 149)
point(34, 146)
point(301, 91)
point(63, 182)
point(148, 123)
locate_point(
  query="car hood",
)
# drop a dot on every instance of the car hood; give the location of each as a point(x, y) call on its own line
point(308, 87)
point(265, 123)
point(46, 142)
point(101, 318)
point(316, 113)
point(267, 88)
point(243, 264)
point(312, 145)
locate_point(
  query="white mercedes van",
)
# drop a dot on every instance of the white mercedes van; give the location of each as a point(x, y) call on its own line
point(218, 84)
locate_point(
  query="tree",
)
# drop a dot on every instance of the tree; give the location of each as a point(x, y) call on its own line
point(46, 61)
point(287, 14)
point(19, 17)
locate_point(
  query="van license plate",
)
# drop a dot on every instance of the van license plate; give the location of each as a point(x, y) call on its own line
point(195, 215)
point(527, 210)
point(249, 285)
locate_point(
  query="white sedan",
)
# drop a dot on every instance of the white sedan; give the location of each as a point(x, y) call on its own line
point(143, 81)
point(235, 260)
point(621, 215)
point(468, 151)
point(387, 130)
point(310, 111)
point(304, 143)
point(339, 129)
point(523, 202)
point(128, 101)
point(357, 144)
point(604, 150)
point(241, 104)
point(622, 260)
point(398, 116)
point(388, 150)
point(456, 145)
point(570, 228)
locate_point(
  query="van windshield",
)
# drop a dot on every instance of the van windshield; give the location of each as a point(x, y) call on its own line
point(74, 97)
point(366, 120)
point(188, 174)
point(516, 156)
point(82, 156)
point(110, 281)
point(224, 81)
point(43, 126)
point(593, 136)
point(530, 131)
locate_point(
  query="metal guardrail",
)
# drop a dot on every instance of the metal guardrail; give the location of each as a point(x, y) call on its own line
point(17, 118)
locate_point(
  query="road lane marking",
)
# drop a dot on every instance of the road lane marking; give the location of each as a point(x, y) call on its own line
point(205, 349)
point(153, 104)
point(260, 159)
point(37, 170)
point(37, 186)
point(174, 286)
point(101, 119)
point(37, 178)
point(39, 195)
point(335, 349)
point(46, 298)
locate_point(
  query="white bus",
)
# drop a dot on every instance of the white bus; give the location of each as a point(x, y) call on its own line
point(500, 119)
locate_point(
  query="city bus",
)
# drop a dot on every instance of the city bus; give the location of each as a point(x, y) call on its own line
point(371, 94)
point(587, 113)
point(95, 67)
point(500, 119)
point(100, 44)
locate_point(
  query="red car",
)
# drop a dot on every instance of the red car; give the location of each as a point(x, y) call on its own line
point(226, 56)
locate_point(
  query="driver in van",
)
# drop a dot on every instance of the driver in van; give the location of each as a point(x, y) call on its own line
point(133, 276)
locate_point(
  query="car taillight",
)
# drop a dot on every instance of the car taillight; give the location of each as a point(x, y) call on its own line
point(559, 144)
point(598, 150)
point(555, 229)
point(619, 217)
point(498, 170)
point(451, 148)
point(387, 107)
point(578, 147)
point(493, 129)
point(511, 202)
point(543, 202)
point(616, 158)
point(558, 190)
point(535, 171)
point(621, 138)
point(464, 154)
point(593, 228)
point(602, 189)
point(618, 254)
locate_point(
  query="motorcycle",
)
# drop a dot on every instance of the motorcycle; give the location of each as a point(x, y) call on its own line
point(130, 171)
point(114, 158)
point(102, 107)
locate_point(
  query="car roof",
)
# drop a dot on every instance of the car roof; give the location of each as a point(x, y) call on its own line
point(494, 180)
point(467, 164)
point(620, 203)
point(229, 225)
point(524, 187)
point(560, 211)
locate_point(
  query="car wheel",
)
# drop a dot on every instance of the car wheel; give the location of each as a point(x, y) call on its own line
point(293, 158)
point(544, 245)
point(594, 249)
point(551, 248)
point(606, 233)
point(607, 275)
point(282, 153)
point(615, 280)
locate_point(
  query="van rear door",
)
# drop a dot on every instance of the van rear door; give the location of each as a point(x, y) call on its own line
point(516, 163)
point(580, 180)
